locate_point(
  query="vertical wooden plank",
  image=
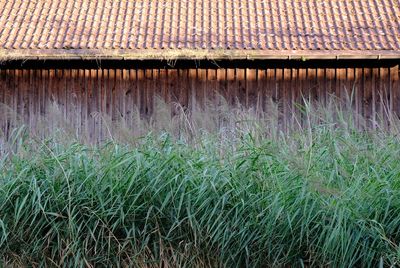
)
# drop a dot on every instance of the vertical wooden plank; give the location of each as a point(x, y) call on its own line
point(8, 102)
point(308, 90)
point(197, 89)
point(55, 92)
point(83, 100)
point(16, 96)
point(67, 95)
point(69, 99)
point(278, 94)
point(9, 97)
point(100, 103)
point(184, 88)
point(241, 93)
point(39, 105)
point(114, 85)
point(58, 92)
point(63, 91)
point(97, 103)
point(157, 83)
point(330, 83)
point(3, 109)
point(385, 91)
point(103, 122)
point(212, 86)
point(119, 95)
point(25, 117)
point(163, 85)
point(161, 90)
point(103, 103)
point(2, 85)
point(201, 90)
point(261, 89)
point(27, 98)
point(52, 100)
point(359, 80)
point(231, 86)
point(112, 94)
point(350, 89)
point(62, 97)
point(66, 80)
point(304, 85)
point(270, 92)
point(91, 80)
point(86, 103)
point(134, 95)
point(313, 84)
point(112, 89)
point(286, 97)
point(378, 115)
point(222, 83)
point(192, 89)
point(374, 100)
point(124, 95)
point(338, 81)
point(130, 97)
point(149, 92)
point(18, 89)
point(26, 114)
point(44, 78)
point(74, 92)
point(140, 93)
point(394, 89)
point(107, 93)
point(207, 98)
point(321, 85)
point(347, 86)
point(156, 89)
point(340, 75)
point(15, 92)
point(35, 100)
point(342, 87)
point(251, 88)
point(367, 97)
point(11, 86)
point(173, 88)
point(295, 99)
point(387, 97)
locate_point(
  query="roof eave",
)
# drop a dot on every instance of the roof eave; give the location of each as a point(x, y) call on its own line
point(195, 54)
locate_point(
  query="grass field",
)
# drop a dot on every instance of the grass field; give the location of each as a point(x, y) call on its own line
point(326, 193)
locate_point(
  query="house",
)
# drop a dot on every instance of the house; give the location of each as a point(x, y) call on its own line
point(108, 56)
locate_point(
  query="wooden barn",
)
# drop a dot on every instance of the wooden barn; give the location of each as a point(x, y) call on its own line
point(112, 56)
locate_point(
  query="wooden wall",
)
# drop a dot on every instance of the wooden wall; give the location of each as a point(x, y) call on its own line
point(81, 94)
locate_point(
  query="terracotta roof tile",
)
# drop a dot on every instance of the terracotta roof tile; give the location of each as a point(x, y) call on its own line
point(265, 25)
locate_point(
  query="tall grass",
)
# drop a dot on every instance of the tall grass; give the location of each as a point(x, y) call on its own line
point(238, 193)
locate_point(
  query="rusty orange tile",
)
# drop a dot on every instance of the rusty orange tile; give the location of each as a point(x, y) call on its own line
point(303, 25)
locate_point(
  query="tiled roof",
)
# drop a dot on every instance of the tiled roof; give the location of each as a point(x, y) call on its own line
point(134, 27)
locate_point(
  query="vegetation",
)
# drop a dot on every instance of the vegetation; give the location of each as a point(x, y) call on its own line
point(323, 194)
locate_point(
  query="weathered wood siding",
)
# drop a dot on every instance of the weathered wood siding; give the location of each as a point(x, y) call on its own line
point(80, 94)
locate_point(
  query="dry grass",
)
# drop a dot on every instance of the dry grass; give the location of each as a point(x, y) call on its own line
point(215, 117)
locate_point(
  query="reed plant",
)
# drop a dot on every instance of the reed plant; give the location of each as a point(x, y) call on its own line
point(233, 191)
